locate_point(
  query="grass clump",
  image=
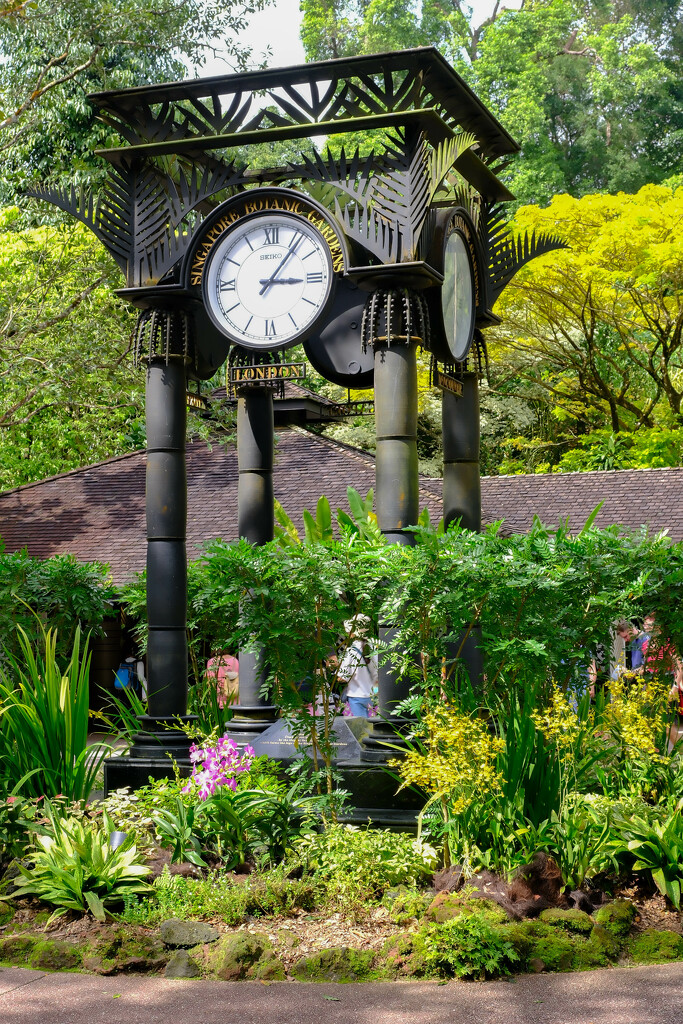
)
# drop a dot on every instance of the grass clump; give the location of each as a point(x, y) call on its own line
point(228, 897)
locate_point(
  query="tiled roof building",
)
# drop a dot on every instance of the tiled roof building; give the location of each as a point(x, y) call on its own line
point(98, 512)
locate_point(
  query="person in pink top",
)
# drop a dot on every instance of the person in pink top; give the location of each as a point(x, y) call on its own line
point(223, 669)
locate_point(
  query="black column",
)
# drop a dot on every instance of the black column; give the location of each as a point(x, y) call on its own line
point(166, 501)
point(166, 505)
point(462, 493)
point(460, 432)
point(255, 516)
point(397, 503)
point(396, 466)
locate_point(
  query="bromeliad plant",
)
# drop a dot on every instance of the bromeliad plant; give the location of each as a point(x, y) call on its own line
point(74, 868)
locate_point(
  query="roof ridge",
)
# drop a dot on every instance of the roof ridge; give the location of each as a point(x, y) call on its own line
point(369, 456)
point(585, 472)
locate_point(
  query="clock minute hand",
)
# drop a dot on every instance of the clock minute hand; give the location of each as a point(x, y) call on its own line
point(278, 270)
point(282, 280)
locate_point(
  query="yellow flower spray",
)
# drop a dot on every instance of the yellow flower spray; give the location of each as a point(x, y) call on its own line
point(456, 762)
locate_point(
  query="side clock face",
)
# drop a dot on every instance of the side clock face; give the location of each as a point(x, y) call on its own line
point(458, 304)
point(268, 280)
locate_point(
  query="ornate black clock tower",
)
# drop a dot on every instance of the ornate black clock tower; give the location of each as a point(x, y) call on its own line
point(363, 258)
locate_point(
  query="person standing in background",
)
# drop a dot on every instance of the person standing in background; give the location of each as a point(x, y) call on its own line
point(223, 670)
point(358, 667)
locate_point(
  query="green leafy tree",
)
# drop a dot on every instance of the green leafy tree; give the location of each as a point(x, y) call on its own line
point(53, 55)
point(68, 393)
point(591, 88)
point(595, 331)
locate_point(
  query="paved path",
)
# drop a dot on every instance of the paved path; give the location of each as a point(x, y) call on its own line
point(638, 995)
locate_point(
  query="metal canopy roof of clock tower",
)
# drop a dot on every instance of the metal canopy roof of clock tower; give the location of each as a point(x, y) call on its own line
point(415, 88)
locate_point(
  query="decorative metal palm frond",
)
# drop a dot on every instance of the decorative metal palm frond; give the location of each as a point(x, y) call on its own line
point(320, 106)
point(133, 213)
point(166, 250)
point(79, 203)
point(508, 254)
point(402, 189)
point(346, 184)
point(155, 124)
point(352, 176)
point(167, 120)
point(202, 116)
point(442, 158)
point(371, 229)
point(191, 189)
point(379, 94)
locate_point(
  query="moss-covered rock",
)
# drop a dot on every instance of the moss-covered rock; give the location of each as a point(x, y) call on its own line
point(551, 946)
point(244, 955)
point(655, 947)
point(446, 906)
point(52, 955)
point(16, 949)
point(7, 912)
point(600, 950)
point(182, 965)
point(570, 920)
point(125, 948)
point(340, 964)
point(546, 947)
point(616, 918)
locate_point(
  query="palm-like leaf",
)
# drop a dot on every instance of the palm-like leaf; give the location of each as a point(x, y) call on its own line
point(443, 157)
point(508, 254)
point(402, 190)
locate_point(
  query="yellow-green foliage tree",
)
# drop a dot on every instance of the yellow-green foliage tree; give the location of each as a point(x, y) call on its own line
point(597, 328)
point(68, 393)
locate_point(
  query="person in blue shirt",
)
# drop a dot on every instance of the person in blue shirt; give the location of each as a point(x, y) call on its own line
point(634, 640)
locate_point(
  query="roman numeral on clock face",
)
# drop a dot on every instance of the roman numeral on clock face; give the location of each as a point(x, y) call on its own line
point(270, 331)
point(272, 235)
point(316, 278)
point(227, 286)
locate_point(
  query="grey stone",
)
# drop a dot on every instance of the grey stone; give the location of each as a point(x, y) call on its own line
point(181, 965)
point(175, 932)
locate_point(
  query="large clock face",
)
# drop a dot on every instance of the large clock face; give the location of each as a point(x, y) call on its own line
point(268, 280)
point(457, 296)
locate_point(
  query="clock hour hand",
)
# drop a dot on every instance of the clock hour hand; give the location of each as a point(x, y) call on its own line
point(265, 285)
point(282, 280)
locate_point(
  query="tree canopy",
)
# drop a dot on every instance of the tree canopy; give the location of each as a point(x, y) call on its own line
point(592, 89)
point(68, 393)
point(599, 325)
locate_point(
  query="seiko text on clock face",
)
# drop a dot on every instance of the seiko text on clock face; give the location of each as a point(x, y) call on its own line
point(268, 280)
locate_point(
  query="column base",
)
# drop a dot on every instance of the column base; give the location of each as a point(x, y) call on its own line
point(383, 741)
point(160, 737)
point(158, 746)
point(249, 721)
